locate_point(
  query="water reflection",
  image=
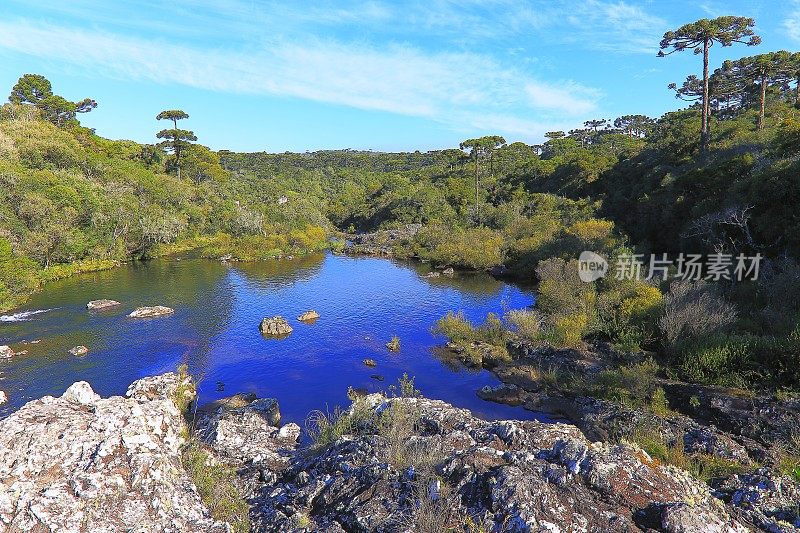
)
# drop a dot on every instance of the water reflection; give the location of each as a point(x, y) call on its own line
point(363, 302)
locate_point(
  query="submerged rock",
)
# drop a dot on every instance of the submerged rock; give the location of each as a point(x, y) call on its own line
point(275, 326)
point(6, 352)
point(83, 463)
point(79, 351)
point(431, 275)
point(151, 312)
point(308, 316)
point(96, 305)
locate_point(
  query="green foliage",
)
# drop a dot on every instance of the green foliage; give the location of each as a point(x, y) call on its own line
point(789, 465)
point(36, 90)
point(456, 327)
point(476, 248)
point(702, 466)
point(633, 385)
point(72, 202)
point(217, 488)
point(741, 361)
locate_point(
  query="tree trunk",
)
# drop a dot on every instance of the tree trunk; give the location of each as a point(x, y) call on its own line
point(477, 185)
point(178, 158)
point(704, 136)
point(763, 99)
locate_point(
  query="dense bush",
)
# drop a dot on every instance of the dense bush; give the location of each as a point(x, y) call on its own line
point(692, 311)
point(746, 361)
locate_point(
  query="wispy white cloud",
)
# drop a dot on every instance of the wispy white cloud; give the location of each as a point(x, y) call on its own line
point(617, 26)
point(570, 98)
point(396, 78)
point(791, 24)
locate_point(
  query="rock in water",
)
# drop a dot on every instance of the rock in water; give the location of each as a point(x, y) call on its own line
point(6, 352)
point(151, 312)
point(308, 316)
point(3, 397)
point(394, 344)
point(82, 463)
point(79, 351)
point(97, 305)
point(370, 362)
point(243, 431)
point(448, 271)
point(275, 326)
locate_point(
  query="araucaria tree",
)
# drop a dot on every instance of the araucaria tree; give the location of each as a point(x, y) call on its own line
point(634, 125)
point(700, 36)
point(37, 91)
point(176, 140)
point(773, 68)
point(481, 148)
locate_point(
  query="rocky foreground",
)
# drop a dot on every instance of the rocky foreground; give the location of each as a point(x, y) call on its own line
point(82, 463)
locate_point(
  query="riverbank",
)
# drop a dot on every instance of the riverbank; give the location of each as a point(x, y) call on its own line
point(388, 463)
point(714, 432)
point(219, 246)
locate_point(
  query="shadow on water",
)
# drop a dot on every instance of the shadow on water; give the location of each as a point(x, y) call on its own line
point(363, 302)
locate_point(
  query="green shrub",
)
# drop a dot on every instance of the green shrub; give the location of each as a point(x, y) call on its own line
point(476, 249)
point(568, 330)
point(527, 324)
point(493, 331)
point(633, 385)
point(455, 327)
point(702, 466)
point(215, 483)
point(741, 360)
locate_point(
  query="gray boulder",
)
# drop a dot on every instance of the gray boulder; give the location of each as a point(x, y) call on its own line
point(151, 312)
point(84, 463)
point(98, 305)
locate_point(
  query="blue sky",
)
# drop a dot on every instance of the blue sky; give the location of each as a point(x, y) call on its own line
point(364, 74)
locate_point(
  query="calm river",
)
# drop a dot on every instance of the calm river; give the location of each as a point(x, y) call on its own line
point(363, 302)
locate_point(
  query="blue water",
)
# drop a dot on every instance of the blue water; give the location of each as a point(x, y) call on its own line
point(363, 302)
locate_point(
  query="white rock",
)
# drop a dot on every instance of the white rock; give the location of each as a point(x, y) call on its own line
point(80, 392)
point(6, 351)
point(3, 397)
point(66, 468)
